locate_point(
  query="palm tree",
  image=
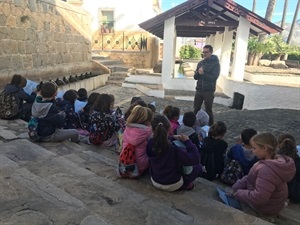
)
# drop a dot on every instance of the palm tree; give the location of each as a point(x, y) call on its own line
point(284, 13)
point(293, 23)
point(268, 16)
point(254, 6)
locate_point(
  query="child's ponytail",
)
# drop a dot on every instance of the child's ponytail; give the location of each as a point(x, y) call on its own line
point(160, 126)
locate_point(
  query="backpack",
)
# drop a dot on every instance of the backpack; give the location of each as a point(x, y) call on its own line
point(33, 129)
point(127, 167)
point(9, 105)
point(232, 172)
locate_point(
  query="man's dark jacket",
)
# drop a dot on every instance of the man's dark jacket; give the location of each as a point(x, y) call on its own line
point(207, 80)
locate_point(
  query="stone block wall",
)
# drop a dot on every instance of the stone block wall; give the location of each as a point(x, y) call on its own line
point(43, 39)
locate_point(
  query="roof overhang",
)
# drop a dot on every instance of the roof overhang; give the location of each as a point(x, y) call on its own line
point(201, 18)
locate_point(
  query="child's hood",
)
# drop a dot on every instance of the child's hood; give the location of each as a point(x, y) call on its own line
point(283, 166)
point(137, 133)
point(41, 109)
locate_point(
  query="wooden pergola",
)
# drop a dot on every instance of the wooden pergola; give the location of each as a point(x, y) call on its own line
point(219, 21)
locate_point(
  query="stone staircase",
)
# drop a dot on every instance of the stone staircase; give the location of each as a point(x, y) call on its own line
point(118, 70)
point(68, 183)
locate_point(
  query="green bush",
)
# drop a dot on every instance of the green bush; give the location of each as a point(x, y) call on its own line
point(294, 56)
point(189, 52)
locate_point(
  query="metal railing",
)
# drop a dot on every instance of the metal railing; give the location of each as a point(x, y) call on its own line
point(124, 41)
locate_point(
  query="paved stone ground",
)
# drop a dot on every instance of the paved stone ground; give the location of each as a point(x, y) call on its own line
point(276, 121)
point(66, 183)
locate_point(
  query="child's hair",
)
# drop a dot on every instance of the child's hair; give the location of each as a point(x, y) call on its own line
point(82, 92)
point(135, 99)
point(171, 112)
point(23, 82)
point(287, 146)
point(128, 112)
point(140, 115)
point(247, 134)
point(70, 96)
point(268, 140)
point(48, 90)
point(152, 107)
point(16, 80)
point(160, 126)
point(102, 103)
point(92, 98)
point(217, 129)
point(112, 100)
point(189, 119)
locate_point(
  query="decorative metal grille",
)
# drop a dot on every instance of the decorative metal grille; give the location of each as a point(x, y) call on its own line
point(121, 41)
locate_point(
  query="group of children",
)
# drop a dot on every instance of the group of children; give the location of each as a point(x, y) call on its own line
point(264, 171)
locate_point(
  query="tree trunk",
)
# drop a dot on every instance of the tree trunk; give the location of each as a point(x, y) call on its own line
point(292, 28)
point(284, 13)
point(256, 59)
point(254, 6)
point(293, 23)
point(268, 16)
point(250, 59)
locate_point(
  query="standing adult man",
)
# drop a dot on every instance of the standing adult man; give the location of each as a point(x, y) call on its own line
point(207, 73)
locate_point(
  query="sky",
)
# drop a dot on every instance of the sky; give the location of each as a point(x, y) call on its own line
point(261, 6)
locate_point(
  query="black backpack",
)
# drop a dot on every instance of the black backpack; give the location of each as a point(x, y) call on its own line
point(9, 105)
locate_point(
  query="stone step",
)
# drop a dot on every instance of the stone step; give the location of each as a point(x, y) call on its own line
point(55, 182)
point(76, 174)
point(118, 68)
point(115, 82)
point(109, 62)
point(99, 57)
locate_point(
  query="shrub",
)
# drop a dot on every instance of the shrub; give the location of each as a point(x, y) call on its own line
point(294, 56)
point(189, 52)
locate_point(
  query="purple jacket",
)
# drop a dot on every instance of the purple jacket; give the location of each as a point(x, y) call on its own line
point(138, 135)
point(265, 187)
point(166, 168)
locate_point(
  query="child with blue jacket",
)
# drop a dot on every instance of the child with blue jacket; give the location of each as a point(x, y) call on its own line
point(242, 152)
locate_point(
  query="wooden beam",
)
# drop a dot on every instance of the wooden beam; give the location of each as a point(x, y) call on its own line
point(198, 15)
point(232, 23)
point(200, 28)
point(218, 14)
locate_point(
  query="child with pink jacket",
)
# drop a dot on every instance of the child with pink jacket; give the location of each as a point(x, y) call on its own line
point(265, 187)
point(137, 133)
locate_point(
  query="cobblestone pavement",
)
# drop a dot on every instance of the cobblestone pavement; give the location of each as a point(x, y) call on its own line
point(276, 121)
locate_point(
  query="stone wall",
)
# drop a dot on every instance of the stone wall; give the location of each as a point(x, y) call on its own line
point(43, 39)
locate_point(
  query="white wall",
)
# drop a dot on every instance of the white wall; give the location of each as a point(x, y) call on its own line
point(262, 96)
point(128, 14)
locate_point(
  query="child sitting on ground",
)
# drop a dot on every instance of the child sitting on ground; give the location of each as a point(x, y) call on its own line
point(265, 187)
point(66, 104)
point(189, 119)
point(172, 113)
point(50, 121)
point(15, 87)
point(202, 119)
point(137, 133)
point(240, 158)
point(166, 159)
point(82, 95)
point(287, 146)
point(213, 150)
point(103, 126)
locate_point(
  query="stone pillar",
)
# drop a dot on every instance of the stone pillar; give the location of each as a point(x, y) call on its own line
point(218, 44)
point(240, 49)
point(212, 39)
point(226, 52)
point(168, 52)
point(207, 40)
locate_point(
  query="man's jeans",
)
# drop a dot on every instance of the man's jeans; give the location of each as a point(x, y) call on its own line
point(208, 98)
